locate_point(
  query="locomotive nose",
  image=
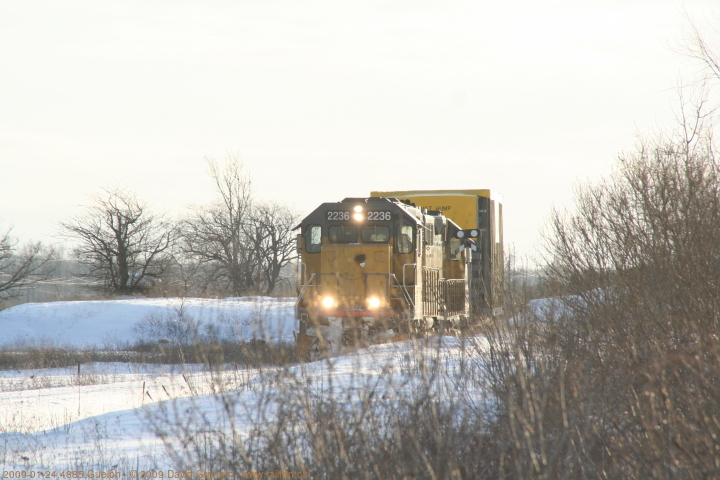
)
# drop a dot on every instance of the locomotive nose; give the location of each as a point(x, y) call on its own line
point(354, 274)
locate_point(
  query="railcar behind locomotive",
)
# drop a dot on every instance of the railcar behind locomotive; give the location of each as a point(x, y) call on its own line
point(372, 269)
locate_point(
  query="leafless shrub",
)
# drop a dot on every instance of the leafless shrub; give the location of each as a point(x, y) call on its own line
point(616, 377)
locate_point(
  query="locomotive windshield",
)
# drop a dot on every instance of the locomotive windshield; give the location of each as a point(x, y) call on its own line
point(375, 234)
point(342, 234)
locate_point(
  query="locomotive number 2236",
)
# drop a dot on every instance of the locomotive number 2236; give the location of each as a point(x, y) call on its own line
point(379, 216)
point(373, 216)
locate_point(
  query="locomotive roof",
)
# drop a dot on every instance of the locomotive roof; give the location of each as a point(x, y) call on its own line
point(371, 203)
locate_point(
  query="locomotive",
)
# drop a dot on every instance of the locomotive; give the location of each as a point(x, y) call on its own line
point(375, 269)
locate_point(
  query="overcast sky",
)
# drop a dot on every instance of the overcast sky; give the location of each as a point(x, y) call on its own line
point(327, 99)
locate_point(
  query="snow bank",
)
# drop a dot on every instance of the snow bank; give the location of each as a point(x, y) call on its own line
point(112, 323)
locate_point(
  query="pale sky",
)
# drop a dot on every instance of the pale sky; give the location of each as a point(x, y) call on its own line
point(327, 99)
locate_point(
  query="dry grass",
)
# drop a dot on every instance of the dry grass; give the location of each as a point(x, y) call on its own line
point(252, 354)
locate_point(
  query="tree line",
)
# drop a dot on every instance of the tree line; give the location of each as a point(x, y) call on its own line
point(236, 245)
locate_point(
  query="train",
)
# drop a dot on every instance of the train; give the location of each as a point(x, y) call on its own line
point(379, 268)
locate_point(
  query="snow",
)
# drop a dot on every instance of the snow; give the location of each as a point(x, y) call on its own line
point(127, 415)
point(542, 311)
point(113, 323)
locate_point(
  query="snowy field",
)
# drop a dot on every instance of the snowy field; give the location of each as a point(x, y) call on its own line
point(122, 416)
point(108, 324)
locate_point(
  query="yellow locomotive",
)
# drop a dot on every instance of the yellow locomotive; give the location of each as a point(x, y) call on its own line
point(373, 268)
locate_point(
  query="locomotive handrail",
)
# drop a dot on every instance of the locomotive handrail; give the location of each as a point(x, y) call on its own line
point(309, 284)
point(302, 291)
point(403, 289)
point(319, 275)
point(300, 272)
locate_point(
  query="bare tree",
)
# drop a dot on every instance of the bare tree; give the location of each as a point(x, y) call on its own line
point(269, 232)
point(213, 234)
point(240, 244)
point(22, 266)
point(123, 245)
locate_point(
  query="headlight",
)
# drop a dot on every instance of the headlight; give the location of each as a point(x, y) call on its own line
point(358, 217)
point(328, 302)
point(373, 302)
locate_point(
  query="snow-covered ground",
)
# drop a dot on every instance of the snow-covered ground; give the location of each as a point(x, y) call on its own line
point(70, 424)
point(117, 322)
point(118, 413)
